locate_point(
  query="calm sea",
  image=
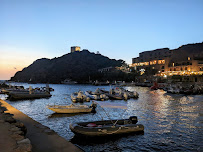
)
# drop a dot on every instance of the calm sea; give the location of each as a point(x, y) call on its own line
point(172, 122)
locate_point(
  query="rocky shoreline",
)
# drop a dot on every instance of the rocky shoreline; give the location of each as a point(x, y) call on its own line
point(20, 133)
point(14, 132)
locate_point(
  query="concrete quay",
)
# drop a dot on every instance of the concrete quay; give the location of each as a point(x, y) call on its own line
point(38, 138)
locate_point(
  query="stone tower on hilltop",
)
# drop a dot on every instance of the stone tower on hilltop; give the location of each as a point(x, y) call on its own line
point(74, 49)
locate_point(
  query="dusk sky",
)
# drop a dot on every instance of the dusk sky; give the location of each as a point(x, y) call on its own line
point(119, 29)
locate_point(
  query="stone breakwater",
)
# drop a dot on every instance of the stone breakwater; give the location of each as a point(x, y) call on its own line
point(12, 133)
point(17, 131)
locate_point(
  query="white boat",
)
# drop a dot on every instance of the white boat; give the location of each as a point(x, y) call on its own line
point(72, 108)
point(92, 96)
point(68, 81)
point(126, 94)
point(79, 97)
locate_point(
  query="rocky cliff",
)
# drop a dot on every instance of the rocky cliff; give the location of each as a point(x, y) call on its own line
point(76, 66)
point(194, 51)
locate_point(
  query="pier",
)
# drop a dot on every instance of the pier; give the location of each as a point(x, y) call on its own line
point(41, 137)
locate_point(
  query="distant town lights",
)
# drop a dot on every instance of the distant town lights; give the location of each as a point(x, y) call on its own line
point(184, 73)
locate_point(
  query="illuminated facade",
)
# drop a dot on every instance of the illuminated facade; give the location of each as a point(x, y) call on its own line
point(170, 62)
point(74, 49)
point(152, 60)
point(191, 66)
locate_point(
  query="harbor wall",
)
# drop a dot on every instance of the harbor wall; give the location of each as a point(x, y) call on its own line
point(41, 137)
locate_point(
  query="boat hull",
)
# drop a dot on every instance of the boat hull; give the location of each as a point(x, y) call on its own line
point(105, 130)
point(64, 109)
point(21, 95)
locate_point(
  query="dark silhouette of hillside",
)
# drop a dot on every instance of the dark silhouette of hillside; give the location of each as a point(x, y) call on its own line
point(195, 51)
point(77, 66)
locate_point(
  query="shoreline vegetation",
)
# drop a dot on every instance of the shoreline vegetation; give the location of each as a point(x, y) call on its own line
point(21, 133)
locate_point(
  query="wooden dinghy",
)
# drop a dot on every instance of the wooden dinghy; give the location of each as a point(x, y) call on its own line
point(72, 108)
point(107, 127)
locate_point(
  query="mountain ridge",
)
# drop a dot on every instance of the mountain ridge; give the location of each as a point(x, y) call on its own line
point(75, 66)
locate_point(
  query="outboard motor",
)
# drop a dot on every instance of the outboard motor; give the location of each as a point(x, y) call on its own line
point(93, 106)
point(133, 119)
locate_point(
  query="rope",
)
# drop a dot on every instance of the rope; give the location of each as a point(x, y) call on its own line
point(105, 131)
point(107, 115)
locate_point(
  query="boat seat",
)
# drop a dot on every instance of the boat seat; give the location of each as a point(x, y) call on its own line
point(93, 125)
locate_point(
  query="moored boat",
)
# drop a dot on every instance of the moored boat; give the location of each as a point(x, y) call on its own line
point(98, 97)
point(27, 95)
point(92, 96)
point(72, 108)
point(118, 93)
point(79, 97)
point(107, 127)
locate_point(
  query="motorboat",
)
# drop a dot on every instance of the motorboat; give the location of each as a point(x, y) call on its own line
point(72, 108)
point(27, 95)
point(79, 97)
point(93, 96)
point(106, 127)
point(119, 93)
point(126, 93)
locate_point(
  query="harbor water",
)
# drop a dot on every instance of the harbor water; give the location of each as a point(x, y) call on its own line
point(172, 122)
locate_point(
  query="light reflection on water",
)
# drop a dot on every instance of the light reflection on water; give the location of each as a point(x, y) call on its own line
point(172, 122)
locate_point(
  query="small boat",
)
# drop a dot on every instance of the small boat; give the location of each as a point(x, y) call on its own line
point(26, 95)
point(93, 96)
point(155, 86)
point(79, 97)
point(106, 127)
point(1, 92)
point(68, 81)
point(72, 108)
point(119, 93)
point(126, 93)
point(111, 94)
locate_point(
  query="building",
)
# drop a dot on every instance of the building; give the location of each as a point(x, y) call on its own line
point(152, 60)
point(74, 48)
point(186, 60)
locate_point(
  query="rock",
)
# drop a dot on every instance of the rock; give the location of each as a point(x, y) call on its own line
point(10, 119)
point(24, 141)
point(24, 146)
point(8, 114)
point(21, 126)
point(17, 137)
point(2, 109)
point(19, 132)
point(1, 121)
point(14, 129)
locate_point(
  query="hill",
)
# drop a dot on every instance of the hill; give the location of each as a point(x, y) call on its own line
point(77, 66)
point(194, 51)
